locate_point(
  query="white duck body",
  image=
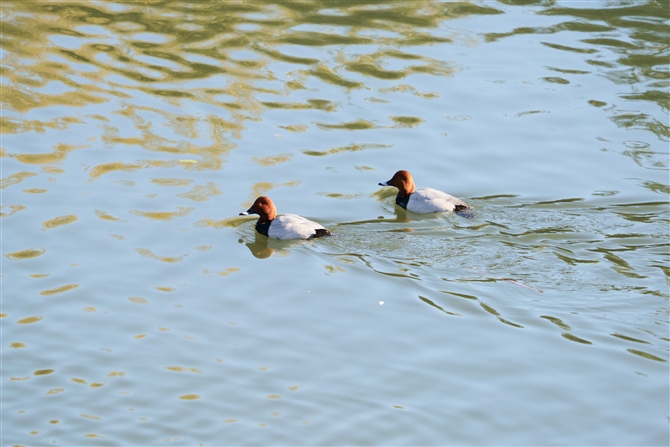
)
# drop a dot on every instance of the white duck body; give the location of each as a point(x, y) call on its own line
point(292, 226)
point(429, 200)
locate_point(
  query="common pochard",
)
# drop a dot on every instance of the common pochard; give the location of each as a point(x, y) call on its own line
point(424, 200)
point(286, 226)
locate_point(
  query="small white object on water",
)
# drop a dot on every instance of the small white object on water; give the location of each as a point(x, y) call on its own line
point(381, 303)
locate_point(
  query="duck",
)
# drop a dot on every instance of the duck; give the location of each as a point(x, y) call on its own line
point(424, 200)
point(284, 227)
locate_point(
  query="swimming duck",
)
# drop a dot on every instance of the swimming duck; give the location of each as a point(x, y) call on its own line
point(286, 226)
point(424, 200)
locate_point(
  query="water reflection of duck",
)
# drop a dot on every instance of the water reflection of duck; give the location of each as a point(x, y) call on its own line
point(286, 226)
point(263, 247)
point(424, 200)
point(259, 247)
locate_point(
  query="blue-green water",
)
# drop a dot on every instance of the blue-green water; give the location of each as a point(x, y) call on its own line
point(138, 308)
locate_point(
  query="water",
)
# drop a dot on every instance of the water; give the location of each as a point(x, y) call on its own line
point(138, 308)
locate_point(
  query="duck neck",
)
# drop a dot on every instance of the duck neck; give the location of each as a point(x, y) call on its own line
point(265, 219)
point(402, 201)
point(263, 227)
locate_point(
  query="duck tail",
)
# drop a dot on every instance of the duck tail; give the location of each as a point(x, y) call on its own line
point(464, 211)
point(321, 232)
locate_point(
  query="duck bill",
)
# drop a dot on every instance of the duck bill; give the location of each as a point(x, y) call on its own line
point(251, 210)
point(385, 183)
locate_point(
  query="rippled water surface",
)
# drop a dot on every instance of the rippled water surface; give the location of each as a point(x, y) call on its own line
point(138, 308)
